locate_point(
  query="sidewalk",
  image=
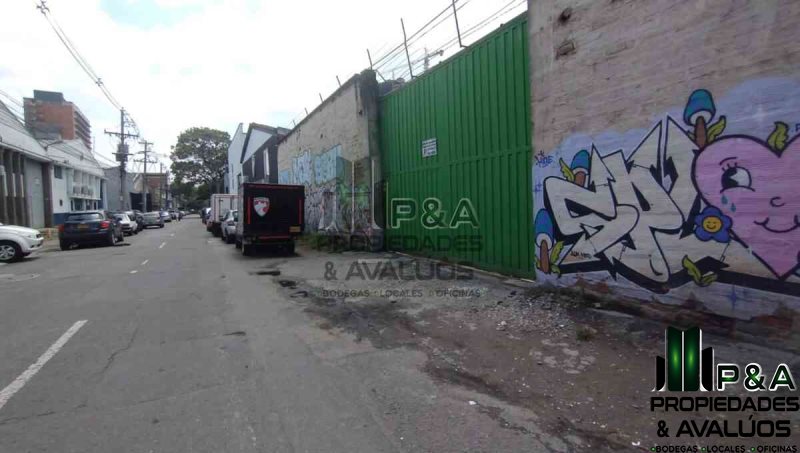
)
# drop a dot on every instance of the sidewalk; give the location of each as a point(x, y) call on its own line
point(582, 370)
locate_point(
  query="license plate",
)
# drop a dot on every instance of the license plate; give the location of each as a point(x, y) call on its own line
point(83, 227)
point(294, 229)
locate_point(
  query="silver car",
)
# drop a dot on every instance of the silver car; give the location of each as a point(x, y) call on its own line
point(229, 226)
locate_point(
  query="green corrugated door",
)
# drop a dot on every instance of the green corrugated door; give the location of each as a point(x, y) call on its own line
point(477, 107)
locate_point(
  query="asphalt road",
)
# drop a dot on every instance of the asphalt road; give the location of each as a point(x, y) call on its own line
point(185, 349)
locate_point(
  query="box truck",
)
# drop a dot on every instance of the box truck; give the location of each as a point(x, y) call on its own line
point(221, 203)
point(269, 214)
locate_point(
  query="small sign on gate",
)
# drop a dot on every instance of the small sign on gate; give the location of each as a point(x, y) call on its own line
point(429, 147)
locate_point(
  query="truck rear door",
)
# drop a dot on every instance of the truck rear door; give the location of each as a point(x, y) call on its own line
point(272, 211)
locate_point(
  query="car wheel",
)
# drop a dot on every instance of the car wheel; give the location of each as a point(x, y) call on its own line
point(9, 252)
point(237, 244)
point(112, 239)
point(64, 245)
point(245, 249)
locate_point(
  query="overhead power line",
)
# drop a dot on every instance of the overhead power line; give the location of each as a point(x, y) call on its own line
point(41, 5)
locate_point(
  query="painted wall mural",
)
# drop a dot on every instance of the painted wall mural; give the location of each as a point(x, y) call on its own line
point(333, 203)
point(704, 199)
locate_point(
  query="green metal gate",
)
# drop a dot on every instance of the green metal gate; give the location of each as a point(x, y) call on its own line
point(463, 131)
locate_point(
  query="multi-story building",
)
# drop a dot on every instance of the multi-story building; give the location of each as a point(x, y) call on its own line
point(49, 116)
point(252, 156)
point(78, 181)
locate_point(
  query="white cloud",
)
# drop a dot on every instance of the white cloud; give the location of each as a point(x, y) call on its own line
point(223, 63)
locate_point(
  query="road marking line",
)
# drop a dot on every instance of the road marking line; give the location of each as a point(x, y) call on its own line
point(145, 262)
point(28, 374)
point(162, 245)
point(172, 235)
point(133, 272)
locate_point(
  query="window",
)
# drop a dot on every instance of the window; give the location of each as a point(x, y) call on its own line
point(57, 172)
point(84, 216)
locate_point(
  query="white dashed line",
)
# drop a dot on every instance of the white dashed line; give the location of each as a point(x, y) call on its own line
point(134, 271)
point(162, 245)
point(28, 374)
point(145, 262)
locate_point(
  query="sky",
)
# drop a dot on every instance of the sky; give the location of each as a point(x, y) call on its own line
point(176, 64)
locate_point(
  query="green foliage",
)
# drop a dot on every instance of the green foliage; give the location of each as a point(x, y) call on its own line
point(777, 139)
point(716, 129)
point(569, 175)
point(697, 276)
point(200, 156)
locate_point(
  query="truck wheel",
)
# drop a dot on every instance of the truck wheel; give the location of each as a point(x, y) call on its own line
point(237, 244)
point(290, 248)
point(9, 252)
point(64, 245)
point(245, 249)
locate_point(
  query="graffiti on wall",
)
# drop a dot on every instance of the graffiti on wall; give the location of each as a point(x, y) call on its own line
point(692, 203)
point(337, 192)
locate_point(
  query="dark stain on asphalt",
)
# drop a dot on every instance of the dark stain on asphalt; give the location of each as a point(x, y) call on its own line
point(238, 333)
point(273, 272)
point(291, 284)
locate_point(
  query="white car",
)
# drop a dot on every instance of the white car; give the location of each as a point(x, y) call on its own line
point(129, 226)
point(17, 242)
point(229, 226)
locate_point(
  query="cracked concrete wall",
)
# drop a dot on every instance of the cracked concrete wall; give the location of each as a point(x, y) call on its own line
point(634, 104)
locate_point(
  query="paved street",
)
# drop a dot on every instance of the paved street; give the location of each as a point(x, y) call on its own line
point(185, 349)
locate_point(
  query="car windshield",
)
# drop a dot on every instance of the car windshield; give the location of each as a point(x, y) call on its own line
point(121, 217)
point(84, 216)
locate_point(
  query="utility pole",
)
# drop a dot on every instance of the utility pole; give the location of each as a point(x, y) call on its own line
point(144, 174)
point(427, 58)
point(122, 156)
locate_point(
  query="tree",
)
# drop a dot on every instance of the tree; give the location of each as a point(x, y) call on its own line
point(200, 156)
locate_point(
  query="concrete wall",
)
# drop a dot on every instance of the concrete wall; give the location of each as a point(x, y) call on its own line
point(234, 160)
point(60, 196)
point(332, 153)
point(665, 151)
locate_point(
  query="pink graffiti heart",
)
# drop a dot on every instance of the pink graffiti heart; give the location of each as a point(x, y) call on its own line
point(758, 189)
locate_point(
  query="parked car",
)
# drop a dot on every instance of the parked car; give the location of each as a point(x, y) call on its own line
point(137, 216)
point(165, 215)
point(229, 226)
point(173, 214)
point(150, 219)
point(89, 227)
point(129, 226)
point(17, 242)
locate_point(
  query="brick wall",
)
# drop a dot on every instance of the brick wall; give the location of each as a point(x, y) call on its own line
point(664, 139)
point(331, 152)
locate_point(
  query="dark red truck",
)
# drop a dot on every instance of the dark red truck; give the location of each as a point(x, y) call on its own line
point(270, 215)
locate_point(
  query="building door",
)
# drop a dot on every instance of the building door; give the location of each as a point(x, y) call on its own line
point(34, 191)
